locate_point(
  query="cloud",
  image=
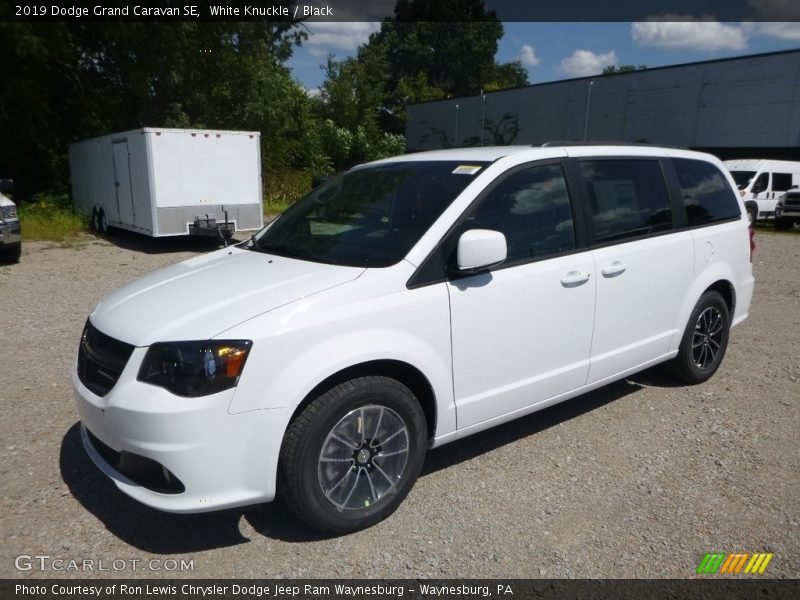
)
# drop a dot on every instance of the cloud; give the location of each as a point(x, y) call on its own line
point(677, 32)
point(324, 37)
point(583, 63)
point(782, 31)
point(318, 51)
point(528, 56)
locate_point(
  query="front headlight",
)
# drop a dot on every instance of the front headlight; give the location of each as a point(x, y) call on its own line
point(9, 212)
point(193, 369)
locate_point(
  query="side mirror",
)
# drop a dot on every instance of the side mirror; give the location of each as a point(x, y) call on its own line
point(6, 185)
point(480, 249)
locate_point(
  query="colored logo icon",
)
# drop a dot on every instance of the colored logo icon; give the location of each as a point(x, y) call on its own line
point(736, 563)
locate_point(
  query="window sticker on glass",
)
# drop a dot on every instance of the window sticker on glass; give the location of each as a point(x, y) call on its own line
point(466, 169)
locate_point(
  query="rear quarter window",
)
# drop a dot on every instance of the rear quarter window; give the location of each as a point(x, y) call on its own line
point(707, 195)
point(628, 198)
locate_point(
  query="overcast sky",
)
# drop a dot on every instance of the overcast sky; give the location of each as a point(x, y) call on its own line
point(552, 51)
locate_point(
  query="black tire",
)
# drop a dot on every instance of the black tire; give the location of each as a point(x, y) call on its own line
point(704, 341)
point(10, 254)
point(752, 213)
point(314, 453)
point(102, 222)
point(782, 224)
point(95, 221)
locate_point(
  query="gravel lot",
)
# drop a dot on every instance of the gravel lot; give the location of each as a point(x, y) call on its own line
point(638, 479)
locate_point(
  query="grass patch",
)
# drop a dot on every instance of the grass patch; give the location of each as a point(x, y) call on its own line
point(50, 217)
point(769, 227)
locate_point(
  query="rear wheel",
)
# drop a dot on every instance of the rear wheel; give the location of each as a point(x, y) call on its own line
point(99, 221)
point(705, 340)
point(351, 456)
point(11, 253)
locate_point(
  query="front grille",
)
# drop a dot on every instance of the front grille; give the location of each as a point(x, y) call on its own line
point(101, 360)
point(792, 201)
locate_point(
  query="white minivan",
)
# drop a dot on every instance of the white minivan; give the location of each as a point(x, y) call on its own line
point(402, 305)
point(762, 183)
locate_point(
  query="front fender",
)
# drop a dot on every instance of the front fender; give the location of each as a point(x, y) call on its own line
point(304, 344)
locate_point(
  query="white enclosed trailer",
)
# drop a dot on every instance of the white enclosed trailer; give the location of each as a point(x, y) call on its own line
point(166, 182)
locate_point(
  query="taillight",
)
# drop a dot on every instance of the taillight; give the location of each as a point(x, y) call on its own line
point(752, 241)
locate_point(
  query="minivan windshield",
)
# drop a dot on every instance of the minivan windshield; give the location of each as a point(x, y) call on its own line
point(369, 216)
point(743, 178)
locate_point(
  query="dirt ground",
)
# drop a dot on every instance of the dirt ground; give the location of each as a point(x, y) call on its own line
point(639, 479)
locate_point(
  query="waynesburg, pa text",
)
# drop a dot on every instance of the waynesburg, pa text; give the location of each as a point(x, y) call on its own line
point(255, 590)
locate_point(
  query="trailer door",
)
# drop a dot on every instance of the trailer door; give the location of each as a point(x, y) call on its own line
point(122, 183)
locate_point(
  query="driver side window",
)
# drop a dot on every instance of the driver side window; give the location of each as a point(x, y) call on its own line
point(761, 184)
point(532, 209)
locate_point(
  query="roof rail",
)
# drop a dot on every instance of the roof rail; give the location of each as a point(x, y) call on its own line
point(551, 143)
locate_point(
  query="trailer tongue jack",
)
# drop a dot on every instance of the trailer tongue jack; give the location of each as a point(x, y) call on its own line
point(207, 226)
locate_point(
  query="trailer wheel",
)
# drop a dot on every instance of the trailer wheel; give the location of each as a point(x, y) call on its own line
point(102, 222)
point(95, 221)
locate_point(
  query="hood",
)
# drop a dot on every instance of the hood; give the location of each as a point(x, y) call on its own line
point(202, 297)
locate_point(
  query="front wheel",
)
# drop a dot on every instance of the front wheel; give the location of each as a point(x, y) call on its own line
point(752, 213)
point(353, 454)
point(704, 341)
point(11, 253)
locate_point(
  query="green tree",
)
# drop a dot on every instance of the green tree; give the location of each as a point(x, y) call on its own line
point(425, 51)
point(68, 81)
point(440, 50)
point(611, 69)
point(351, 108)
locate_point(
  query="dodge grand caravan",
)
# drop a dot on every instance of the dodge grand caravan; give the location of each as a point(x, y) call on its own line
point(402, 305)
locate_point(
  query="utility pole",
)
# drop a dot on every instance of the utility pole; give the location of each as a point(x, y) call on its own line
point(483, 114)
point(455, 143)
point(588, 103)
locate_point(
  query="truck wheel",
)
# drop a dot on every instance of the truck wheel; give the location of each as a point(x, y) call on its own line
point(704, 341)
point(95, 221)
point(10, 254)
point(782, 224)
point(351, 456)
point(752, 213)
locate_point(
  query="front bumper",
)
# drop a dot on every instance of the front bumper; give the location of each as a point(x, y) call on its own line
point(10, 232)
point(219, 460)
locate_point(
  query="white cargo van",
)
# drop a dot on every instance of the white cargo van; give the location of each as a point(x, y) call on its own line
point(166, 182)
point(762, 182)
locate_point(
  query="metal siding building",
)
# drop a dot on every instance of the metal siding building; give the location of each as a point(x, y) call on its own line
point(747, 106)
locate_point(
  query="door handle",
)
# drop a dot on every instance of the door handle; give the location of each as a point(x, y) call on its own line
point(574, 279)
point(615, 268)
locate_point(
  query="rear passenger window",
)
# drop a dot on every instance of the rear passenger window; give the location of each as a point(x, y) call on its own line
point(707, 195)
point(781, 182)
point(532, 209)
point(628, 198)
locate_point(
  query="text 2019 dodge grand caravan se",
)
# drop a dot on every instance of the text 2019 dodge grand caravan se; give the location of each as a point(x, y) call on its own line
point(402, 305)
